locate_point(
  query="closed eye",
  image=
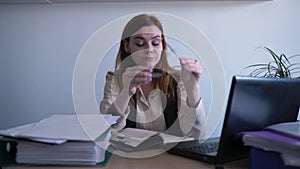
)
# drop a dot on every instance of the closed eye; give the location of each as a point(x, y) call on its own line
point(139, 44)
point(156, 42)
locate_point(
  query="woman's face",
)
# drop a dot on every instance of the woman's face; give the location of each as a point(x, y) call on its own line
point(145, 46)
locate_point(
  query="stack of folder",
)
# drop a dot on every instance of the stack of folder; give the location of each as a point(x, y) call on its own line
point(60, 140)
point(280, 141)
point(73, 152)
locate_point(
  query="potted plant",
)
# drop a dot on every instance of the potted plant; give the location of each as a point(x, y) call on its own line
point(279, 67)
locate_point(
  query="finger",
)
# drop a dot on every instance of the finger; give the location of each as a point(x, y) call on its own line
point(187, 60)
point(137, 69)
point(142, 77)
point(141, 80)
point(191, 65)
point(196, 70)
point(132, 90)
point(137, 72)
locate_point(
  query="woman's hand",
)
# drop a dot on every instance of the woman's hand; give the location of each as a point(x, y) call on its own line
point(134, 77)
point(191, 73)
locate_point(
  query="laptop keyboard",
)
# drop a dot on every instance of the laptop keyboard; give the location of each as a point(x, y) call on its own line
point(204, 148)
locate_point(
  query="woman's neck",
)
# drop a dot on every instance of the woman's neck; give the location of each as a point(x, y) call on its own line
point(147, 88)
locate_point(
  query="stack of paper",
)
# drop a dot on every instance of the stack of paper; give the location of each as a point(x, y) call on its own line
point(69, 153)
point(283, 138)
point(133, 139)
point(63, 139)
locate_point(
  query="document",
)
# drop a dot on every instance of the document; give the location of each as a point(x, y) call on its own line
point(68, 153)
point(62, 140)
point(133, 139)
point(291, 129)
point(283, 138)
point(61, 128)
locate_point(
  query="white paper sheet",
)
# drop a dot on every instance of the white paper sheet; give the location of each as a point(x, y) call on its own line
point(60, 128)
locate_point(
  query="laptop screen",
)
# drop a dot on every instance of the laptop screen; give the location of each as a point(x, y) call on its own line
point(253, 104)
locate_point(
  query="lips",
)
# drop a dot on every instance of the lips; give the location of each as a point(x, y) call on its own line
point(149, 59)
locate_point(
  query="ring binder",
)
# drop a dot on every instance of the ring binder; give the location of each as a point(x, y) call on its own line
point(8, 149)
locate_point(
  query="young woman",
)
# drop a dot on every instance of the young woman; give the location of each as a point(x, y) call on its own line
point(145, 91)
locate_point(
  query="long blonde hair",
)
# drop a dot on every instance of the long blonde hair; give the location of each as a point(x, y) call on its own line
point(164, 83)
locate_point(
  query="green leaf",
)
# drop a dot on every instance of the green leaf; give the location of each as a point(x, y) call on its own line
point(279, 67)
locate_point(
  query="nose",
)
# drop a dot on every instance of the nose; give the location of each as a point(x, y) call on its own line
point(148, 51)
point(149, 48)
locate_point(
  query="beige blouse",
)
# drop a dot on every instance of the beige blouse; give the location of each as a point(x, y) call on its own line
point(150, 114)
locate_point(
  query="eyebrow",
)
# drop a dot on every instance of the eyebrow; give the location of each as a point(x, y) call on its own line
point(154, 37)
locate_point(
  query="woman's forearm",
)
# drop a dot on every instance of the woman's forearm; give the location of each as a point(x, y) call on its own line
point(193, 96)
point(121, 102)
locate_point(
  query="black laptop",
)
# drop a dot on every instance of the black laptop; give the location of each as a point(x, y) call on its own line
point(253, 104)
